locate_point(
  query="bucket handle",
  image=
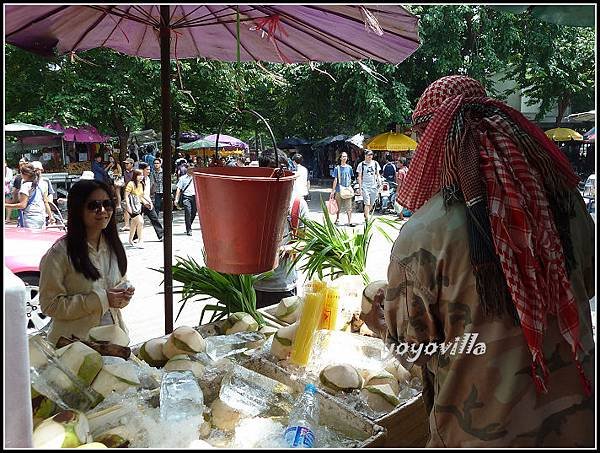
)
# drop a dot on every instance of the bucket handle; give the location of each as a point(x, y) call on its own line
point(278, 172)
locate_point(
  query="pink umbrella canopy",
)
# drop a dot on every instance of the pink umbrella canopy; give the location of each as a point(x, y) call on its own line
point(288, 33)
point(81, 134)
point(227, 141)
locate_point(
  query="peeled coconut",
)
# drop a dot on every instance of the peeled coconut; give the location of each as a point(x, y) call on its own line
point(341, 377)
point(289, 309)
point(283, 340)
point(110, 333)
point(184, 340)
point(183, 362)
point(82, 360)
point(223, 416)
point(117, 375)
point(380, 398)
point(240, 322)
point(117, 437)
point(401, 374)
point(369, 294)
point(385, 377)
point(67, 429)
point(151, 352)
point(267, 331)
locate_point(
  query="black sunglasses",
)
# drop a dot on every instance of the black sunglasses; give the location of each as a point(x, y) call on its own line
point(97, 205)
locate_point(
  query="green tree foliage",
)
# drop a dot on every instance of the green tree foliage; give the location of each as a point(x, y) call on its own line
point(554, 65)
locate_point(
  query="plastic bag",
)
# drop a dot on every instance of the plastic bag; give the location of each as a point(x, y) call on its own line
point(332, 206)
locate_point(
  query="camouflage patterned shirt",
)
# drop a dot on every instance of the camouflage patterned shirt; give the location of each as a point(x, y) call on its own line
point(484, 396)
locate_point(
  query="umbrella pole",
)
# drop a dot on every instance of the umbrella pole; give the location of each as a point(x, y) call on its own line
point(165, 75)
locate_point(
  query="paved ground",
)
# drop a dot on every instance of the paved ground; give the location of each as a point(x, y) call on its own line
point(145, 314)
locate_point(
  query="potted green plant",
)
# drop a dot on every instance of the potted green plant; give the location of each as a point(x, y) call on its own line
point(233, 293)
point(325, 250)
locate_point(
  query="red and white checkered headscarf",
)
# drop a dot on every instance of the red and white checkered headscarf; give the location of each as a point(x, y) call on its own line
point(515, 181)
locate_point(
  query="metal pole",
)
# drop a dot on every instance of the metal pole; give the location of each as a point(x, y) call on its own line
point(62, 147)
point(165, 80)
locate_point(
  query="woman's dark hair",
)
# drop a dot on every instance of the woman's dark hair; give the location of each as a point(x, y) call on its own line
point(134, 176)
point(267, 158)
point(77, 247)
point(34, 176)
point(297, 158)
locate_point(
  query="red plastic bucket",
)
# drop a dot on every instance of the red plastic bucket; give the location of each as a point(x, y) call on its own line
point(242, 211)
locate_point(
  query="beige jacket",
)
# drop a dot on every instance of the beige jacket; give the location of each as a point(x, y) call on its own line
point(75, 303)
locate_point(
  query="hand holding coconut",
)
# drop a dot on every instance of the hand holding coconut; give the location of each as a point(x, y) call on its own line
point(120, 295)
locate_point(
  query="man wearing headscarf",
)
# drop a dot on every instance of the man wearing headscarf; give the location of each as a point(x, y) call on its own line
point(500, 246)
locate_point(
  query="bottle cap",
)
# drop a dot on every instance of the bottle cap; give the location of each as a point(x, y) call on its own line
point(310, 388)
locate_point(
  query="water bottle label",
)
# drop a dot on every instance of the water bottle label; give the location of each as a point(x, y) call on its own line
point(299, 437)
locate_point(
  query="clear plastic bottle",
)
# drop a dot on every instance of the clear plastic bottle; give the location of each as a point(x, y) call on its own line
point(303, 420)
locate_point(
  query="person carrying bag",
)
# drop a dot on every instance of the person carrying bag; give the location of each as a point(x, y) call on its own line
point(343, 193)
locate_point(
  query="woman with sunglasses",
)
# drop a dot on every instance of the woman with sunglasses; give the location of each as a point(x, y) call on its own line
point(83, 281)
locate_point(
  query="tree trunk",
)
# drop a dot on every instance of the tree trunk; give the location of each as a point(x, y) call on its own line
point(563, 103)
point(123, 134)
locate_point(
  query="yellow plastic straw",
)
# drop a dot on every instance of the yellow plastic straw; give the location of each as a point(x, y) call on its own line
point(309, 322)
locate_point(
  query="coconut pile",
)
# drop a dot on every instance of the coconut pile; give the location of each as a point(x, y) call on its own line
point(373, 384)
point(124, 409)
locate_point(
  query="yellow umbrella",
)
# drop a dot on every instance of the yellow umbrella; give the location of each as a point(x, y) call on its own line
point(563, 134)
point(391, 141)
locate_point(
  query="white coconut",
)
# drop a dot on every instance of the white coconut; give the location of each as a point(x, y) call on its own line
point(380, 398)
point(110, 333)
point(401, 374)
point(151, 352)
point(240, 322)
point(283, 341)
point(289, 309)
point(82, 360)
point(384, 377)
point(267, 331)
point(67, 429)
point(184, 340)
point(223, 416)
point(183, 362)
point(117, 375)
point(341, 377)
point(369, 294)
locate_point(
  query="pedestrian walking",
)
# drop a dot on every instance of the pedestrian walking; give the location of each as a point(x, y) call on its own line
point(369, 181)
point(147, 203)
point(32, 201)
point(187, 192)
point(156, 184)
point(134, 200)
point(343, 175)
point(127, 178)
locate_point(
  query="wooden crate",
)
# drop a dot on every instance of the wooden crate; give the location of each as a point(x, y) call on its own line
point(406, 426)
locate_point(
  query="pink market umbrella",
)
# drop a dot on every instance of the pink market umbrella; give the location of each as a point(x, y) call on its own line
point(277, 33)
point(227, 141)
